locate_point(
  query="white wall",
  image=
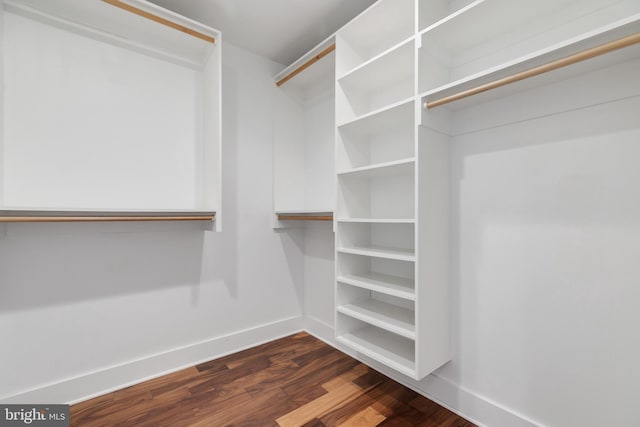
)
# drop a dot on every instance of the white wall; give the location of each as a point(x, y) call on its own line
point(79, 298)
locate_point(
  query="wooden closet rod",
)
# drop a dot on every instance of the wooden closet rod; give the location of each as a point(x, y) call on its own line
point(14, 219)
point(305, 218)
point(550, 66)
point(160, 20)
point(306, 65)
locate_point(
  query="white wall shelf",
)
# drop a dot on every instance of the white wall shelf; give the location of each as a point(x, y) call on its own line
point(392, 318)
point(385, 137)
point(395, 167)
point(360, 44)
point(398, 51)
point(432, 11)
point(598, 37)
point(384, 347)
point(382, 283)
point(383, 82)
point(398, 254)
point(373, 114)
point(461, 45)
point(515, 14)
point(128, 111)
point(379, 220)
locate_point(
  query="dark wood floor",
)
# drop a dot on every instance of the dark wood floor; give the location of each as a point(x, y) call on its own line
point(294, 381)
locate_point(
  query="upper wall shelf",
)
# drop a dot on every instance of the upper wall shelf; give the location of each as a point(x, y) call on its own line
point(580, 54)
point(468, 26)
point(461, 47)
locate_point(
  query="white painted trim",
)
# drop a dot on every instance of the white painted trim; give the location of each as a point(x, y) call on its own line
point(97, 383)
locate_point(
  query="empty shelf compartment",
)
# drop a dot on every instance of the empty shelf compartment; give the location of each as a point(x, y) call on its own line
point(392, 318)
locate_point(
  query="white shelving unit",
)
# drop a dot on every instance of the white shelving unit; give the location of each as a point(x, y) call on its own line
point(386, 205)
point(303, 146)
point(127, 111)
point(532, 64)
point(403, 99)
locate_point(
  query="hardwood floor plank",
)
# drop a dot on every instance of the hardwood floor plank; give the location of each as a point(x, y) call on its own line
point(314, 423)
point(336, 397)
point(295, 381)
point(368, 417)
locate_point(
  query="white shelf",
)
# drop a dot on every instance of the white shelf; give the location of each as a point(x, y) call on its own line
point(388, 79)
point(468, 26)
point(566, 48)
point(385, 137)
point(431, 11)
point(382, 119)
point(372, 32)
point(397, 50)
point(373, 114)
point(380, 252)
point(384, 347)
point(396, 167)
point(398, 320)
point(379, 220)
point(383, 283)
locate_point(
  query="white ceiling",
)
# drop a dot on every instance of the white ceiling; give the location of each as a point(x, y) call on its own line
point(281, 30)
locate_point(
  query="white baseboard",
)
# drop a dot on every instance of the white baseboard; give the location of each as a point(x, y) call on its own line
point(464, 402)
point(106, 380)
point(457, 399)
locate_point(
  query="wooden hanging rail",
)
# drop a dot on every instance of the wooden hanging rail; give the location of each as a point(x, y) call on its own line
point(51, 216)
point(550, 66)
point(160, 20)
point(306, 65)
point(304, 217)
